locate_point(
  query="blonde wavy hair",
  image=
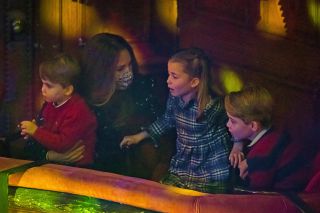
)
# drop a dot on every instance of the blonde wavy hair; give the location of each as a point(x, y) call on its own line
point(197, 64)
point(253, 103)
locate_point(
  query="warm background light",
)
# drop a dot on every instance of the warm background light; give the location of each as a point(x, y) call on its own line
point(230, 79)
point(313, 11)
point(271, 19)
point(49, 16)
point(71, 21)
point(168, 13)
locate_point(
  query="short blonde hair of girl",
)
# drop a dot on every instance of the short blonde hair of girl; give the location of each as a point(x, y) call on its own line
point(253, 103)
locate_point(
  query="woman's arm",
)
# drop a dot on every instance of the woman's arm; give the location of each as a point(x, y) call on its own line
point(71, 156)
point(133, 139)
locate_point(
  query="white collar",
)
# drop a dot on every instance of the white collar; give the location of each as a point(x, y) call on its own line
point(56, 106)
point(258, 136)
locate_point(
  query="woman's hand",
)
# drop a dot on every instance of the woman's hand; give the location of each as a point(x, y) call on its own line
point(127, 141)
point(71, 156)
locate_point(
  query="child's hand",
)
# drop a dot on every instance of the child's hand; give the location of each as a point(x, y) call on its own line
point(236, 154)
point(28, 128)
point(235, 158)
point(243, 167)
point(133, 139)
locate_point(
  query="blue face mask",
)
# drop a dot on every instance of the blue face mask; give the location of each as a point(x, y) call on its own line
point(124, 79)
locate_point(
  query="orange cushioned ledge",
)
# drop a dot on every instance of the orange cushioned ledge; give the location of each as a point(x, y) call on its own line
point(140, 192)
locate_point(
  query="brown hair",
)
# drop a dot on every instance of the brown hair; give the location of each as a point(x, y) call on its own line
point(253, 103)
point(197, 64)
point(99, 60)
point(62, 69)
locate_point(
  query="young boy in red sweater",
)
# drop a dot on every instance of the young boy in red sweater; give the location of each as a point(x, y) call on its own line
point(66, 119)
point(273, 161)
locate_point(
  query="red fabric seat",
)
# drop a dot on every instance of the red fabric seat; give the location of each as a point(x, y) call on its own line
point(314, 183)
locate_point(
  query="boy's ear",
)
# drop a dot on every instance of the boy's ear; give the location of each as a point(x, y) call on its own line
point(195, 82)
point(255, 126)
point(69, 90)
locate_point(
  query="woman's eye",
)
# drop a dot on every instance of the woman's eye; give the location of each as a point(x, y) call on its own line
point(123, 68)
point(119, 70)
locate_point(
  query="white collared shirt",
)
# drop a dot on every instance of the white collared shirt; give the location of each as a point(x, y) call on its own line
point(56, 106)
point(258, 136)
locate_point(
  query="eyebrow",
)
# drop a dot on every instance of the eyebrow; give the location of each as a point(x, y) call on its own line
point(123, 65)
point(172, 72)
point(231, 119)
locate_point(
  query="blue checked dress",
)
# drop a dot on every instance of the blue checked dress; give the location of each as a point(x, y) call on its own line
point(203, 144)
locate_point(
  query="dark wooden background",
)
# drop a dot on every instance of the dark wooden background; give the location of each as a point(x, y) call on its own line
point(286, 63)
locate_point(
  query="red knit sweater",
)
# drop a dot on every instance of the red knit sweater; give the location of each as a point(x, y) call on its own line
point(65, 125)
point(274, 163)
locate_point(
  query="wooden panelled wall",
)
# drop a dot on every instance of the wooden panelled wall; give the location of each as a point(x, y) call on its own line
point(67, 25)
point(288, 65)
point(52, 26)
point(16, 62)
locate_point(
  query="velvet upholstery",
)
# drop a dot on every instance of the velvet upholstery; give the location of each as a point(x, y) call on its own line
point(144, 193)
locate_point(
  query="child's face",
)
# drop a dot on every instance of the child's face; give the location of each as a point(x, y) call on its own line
point(180, 83)
point(53, 92)
point(239, 129)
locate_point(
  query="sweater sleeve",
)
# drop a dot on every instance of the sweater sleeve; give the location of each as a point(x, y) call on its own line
point(260, 179)
point(264, 160)
point(68, 131)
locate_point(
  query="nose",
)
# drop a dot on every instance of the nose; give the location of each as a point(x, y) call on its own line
point(43, 89)
point(168, 80)
point(228, 123)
